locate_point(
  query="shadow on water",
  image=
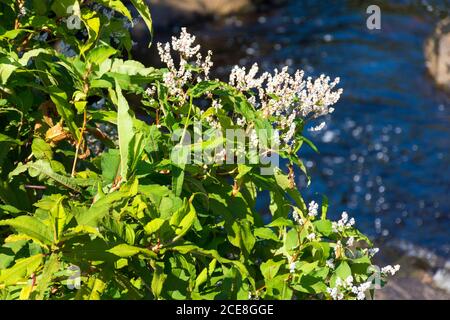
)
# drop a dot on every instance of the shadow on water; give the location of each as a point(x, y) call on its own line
point(384, 153)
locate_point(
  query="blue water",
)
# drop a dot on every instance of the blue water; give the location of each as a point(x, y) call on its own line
point(385, 151)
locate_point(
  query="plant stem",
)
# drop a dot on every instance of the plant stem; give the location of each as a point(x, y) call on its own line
point(28, 186)
point(83, 128)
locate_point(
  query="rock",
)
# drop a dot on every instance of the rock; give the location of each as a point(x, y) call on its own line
point(422, 276)
point(442, 278)
point(417, 285)
point(437, 54)
point(169, 12)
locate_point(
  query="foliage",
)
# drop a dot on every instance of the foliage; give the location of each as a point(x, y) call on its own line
point(87, 181)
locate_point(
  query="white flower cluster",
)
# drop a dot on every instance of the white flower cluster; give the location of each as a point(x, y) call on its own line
point(287, 97)
point(292, 267)
point(279, 95)
point(240, 122)
point(220, 156)
point(176, 78)
point(390, 270)
point(330, 263)
point(373, 251)
point(318, 128)
point(216, 104)
point(360, 291)
point(350, 241)
point(184, 44)
point(335, 293)
point(253, 139)
point(313, 209)
point(150, 91)
point(253, 295)
point(347, 286)
point(311, 236)
point(244, 81)
point(343, 223)
point(22, 11)
point(297, 218)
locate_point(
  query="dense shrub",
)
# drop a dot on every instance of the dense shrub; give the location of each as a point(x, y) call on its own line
point(96, 201)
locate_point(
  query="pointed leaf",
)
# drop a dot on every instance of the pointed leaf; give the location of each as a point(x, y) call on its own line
point(144, 11)
point(31, 227)
point(22, 270)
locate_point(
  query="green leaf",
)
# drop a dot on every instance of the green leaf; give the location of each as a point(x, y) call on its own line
point(31, 227)
point(266, 234)
point(158, 281)
point(80, 230)
point(302, 167)
point(144, 11)
point(126, 251)
point(53, 204)
point(243, 170)
point(242, 236)
point(5, 138)
point(291, 241)
point(183, 219)
point(324, 227)
point(6, 257)
point(6, 70)
point(270, 268)
point(306, 267)
point(31, 54)
point(155, 192)
point(41, 149)
point(324, 207)
point(190, 248)
point(178, 178)
point(61, 7)
point(135, 150)
point(21, 271)
point(285, 184)
point(92, 290)
point(125, 130)
point(110, 165)
point(41, 6)
point(50, 268)
point(281, 222)
point(154, 225)
point(187, 222)
point(92, 23)
point(129, 67)
point(201, 278)
point(277, 288)
point(117, 5)
point(309, 143)
point(100, 209)
point(59, 98)
point(310, 284)
point(202, 87)
point(12, 34)
point(343, 270)
point(100, 53)
point(43, 167)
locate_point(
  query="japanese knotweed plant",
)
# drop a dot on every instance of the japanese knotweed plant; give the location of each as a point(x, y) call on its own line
point(93, 205)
